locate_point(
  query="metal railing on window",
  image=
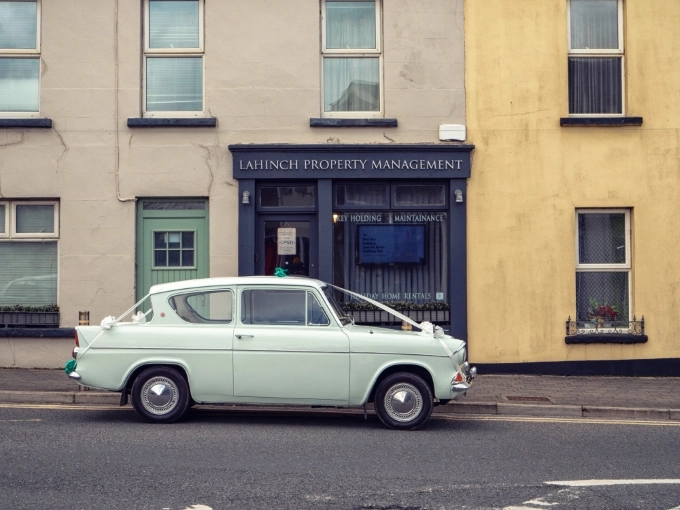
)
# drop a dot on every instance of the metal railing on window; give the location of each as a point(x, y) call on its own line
point(604, 326)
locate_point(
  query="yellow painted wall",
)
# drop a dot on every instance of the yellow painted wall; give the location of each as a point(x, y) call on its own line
point(529, 175)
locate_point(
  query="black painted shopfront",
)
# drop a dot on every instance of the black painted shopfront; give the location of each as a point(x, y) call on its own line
point(385, 221)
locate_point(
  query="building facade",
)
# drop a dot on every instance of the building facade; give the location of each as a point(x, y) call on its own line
point(573, 106)
point(144, 141)
point(504, 169)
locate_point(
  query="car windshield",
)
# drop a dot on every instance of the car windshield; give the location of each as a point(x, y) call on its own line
point(344, 318)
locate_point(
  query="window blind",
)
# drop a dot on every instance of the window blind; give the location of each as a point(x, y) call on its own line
point(34, 219)
point(173, 24)
point(18, 25)
point(174, 84)
point(19, 84)
point(28, 273)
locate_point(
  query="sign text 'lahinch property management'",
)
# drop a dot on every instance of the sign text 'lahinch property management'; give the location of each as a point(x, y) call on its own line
point(347, 162)
point(350, 164)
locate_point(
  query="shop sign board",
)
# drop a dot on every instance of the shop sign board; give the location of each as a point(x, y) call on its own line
point(351, 161)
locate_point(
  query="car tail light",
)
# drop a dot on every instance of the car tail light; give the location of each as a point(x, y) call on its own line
point(458, 377)
point(75, 336)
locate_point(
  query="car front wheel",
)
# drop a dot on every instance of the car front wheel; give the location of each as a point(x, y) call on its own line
point(160, 394)
point(403, 401)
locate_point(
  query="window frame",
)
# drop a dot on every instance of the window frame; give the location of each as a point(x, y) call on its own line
point(27, 53)
point(202, 321)
point(5, 233)
point(245, 313)
point(621, 267)
point(167, 267)
point(11, 236)
point(390, 196)
point(149, 52)
point(600, 53)
point(33, 235)
point(376, 52)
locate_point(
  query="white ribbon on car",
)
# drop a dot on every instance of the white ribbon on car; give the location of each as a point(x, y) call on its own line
point(108, 322)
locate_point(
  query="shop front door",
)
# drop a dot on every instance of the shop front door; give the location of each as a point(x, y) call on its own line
point(288, 242)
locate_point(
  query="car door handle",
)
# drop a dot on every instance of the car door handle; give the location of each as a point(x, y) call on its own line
point(244, 336)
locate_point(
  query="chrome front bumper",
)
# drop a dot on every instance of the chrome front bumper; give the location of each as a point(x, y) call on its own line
point(467, 374)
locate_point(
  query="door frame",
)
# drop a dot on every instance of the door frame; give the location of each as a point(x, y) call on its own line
point(169, 214)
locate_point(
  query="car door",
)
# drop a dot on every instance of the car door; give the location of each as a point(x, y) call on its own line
point(288, 348)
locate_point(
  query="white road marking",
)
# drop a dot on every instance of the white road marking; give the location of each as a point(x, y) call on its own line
point(600, 483)
point(539, 502)
point(198, 507)
point(9, 421)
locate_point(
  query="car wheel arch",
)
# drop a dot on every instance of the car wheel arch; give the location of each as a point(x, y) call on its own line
point(418, 370)
point(134, 373)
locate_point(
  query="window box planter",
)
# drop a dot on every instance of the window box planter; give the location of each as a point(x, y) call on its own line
point(29, 319)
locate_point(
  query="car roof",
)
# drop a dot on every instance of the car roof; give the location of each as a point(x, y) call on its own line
point(288, 281)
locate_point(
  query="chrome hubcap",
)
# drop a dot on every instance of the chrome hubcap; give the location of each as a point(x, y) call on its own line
point(403, 402)
point(159, 395)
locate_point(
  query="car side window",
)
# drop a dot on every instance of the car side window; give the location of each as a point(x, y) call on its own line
point(273, 306)
point(204, 307)
point(316, 315)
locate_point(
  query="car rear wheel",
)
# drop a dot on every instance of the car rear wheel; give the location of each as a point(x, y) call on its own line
point(403, 401)
point(160, 394)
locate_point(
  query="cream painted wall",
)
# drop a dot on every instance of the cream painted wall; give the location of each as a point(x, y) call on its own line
point(262, 82)
point(529, 175)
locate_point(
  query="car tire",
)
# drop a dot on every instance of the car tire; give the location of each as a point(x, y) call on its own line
point(160, 395)
point(403, 401)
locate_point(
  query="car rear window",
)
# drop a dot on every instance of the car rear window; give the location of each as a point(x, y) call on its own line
point(213, 307)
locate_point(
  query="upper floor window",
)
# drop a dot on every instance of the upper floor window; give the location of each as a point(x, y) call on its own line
point(29, 233)
point(351, 58)
point(19, 57)
point(596, 63)
point(603, 266)
point(173, 58)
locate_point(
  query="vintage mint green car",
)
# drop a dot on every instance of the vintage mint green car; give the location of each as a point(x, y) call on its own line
point(267, 340)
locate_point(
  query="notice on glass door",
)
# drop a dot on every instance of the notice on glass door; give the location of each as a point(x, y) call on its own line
point(286, 241)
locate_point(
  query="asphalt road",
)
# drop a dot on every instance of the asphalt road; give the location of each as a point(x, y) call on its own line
point(84, 458)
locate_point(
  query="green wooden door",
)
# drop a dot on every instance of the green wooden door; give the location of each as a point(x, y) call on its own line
point(172, 242)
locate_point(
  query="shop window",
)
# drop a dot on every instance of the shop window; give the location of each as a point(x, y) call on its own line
point(351, 58)
point(29, 233)
point(173, 58)
point(362, 195)
point(596, 57)
point(419, 195)
point(397, 254)
point(294, 197)
point(603, 269)
point(19, 57)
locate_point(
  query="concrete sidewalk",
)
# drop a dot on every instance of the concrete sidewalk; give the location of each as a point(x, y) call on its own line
point(644, 398)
